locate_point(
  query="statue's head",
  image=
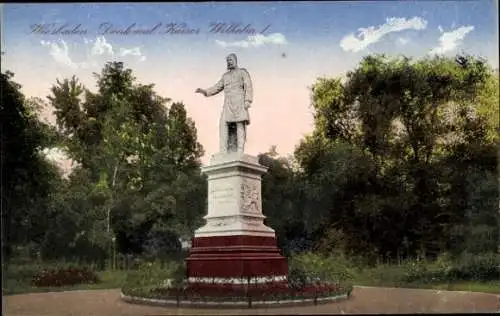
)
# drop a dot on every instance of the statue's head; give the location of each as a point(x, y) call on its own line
point(232, 61)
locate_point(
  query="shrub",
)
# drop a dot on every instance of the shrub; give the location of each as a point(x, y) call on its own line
point(476, 267)
point(297, 245)
point(309, 276)
point(297, 278)
point(64, 276)
point(467, 266)
point(161, 244)
point(384, 274)
point(152, 275)
point(319, 268)
point(442, 269)
point(416, 270)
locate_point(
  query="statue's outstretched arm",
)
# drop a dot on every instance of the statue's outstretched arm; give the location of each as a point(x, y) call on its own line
point(218, 87)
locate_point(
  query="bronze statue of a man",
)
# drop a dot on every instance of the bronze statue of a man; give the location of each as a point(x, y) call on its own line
point(238, 95)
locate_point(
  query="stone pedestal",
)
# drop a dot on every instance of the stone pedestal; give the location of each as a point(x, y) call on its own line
point(234, 244)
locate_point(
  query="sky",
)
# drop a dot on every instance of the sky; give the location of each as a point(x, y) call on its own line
point(284, 46)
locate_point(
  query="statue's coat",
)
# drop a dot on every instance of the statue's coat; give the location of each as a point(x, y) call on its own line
point(237, 87)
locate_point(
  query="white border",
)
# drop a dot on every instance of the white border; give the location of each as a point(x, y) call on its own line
point(253, 280)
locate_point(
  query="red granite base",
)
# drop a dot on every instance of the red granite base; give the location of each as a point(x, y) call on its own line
point(235, 257)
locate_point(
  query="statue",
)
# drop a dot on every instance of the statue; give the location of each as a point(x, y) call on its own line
point(238, 95)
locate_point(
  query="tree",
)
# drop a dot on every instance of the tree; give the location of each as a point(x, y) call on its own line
point(141, 151)
point(396, 113)
point(27, 178)
point(337, 177)
point(281, 202)
point(76, 229)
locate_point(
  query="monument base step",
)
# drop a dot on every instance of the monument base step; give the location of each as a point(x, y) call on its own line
point(236, 257)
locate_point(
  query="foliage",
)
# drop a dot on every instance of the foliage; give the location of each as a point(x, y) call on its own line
point(18, 278)
point(319, 269)
point(445, 269)
point(62, 277)
point(416, 270)
point(482, 267)
point(30, 177)
point(310, 276)
point(150, 275)
point(229, 293)
point(139, 156)
point(383, 171)
point(401, 167)
point(282, 198)
point(487, 106)
point(264, 292)
point(297, 277)
point(74, 214)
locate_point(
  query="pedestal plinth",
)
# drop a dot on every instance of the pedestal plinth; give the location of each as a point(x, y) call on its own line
point(234, 244)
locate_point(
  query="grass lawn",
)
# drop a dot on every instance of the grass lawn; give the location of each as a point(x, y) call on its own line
point(391, 276)
point(469, 286)
point(17, 280)
point(13, 284)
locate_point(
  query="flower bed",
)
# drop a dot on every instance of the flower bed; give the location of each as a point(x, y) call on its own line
point(64, 276)
point(227, 293)
point(261, 293)
point(306, 283)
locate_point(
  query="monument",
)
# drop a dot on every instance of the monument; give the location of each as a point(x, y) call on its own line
point(234, 246)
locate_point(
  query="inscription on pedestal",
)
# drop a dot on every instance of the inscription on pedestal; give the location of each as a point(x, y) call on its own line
point(222, 194)
point(250, 197)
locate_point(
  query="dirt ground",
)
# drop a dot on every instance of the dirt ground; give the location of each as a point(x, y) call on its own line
point(364, 300)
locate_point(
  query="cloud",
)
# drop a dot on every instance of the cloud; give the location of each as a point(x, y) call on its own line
point(403, 40)
point(135, 51)
point(440, 29)
point(256, 41)
point(449, 41)
point(95, 48)
point(101, 47)
point(372, 34)
point(60, 53)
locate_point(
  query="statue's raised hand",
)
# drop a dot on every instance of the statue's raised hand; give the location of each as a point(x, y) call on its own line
point(201, 91)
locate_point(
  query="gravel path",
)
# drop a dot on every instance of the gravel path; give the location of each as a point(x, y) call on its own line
point(364, 300)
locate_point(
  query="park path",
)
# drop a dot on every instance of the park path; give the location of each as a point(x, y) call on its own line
point(364, 300)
